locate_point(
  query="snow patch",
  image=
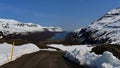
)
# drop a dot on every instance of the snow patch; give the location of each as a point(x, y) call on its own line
point(49, 49)
point(83, 48)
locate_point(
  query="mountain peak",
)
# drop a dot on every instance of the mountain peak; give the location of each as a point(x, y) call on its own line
point(112, 18)
point(114, 11)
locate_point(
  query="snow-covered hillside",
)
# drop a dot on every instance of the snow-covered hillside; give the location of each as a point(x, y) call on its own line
point(9, 26)
point(103, 30)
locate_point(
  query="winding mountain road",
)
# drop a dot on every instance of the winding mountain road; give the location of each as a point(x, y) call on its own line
point(42, 59)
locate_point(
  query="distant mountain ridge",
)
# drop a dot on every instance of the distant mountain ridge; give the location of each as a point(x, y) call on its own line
point(104, 30)
point(10, 26)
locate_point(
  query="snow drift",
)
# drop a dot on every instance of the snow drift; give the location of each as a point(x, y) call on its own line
point(91, 60)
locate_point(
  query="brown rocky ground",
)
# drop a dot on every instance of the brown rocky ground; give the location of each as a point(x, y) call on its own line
point(114, 48)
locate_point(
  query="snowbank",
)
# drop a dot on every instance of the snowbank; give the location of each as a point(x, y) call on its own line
point(5, 51)
point(107, 60)
point(81, 54)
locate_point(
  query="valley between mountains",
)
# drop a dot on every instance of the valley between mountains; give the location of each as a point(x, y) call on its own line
point(94, 46)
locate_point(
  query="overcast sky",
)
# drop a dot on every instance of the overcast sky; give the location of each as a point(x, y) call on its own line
point(67, 14)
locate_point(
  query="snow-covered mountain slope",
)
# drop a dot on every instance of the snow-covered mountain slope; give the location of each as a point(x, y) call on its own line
point(104, 30)
point(10, 26)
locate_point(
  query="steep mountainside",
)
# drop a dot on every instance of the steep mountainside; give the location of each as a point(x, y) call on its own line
point(104, 30)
